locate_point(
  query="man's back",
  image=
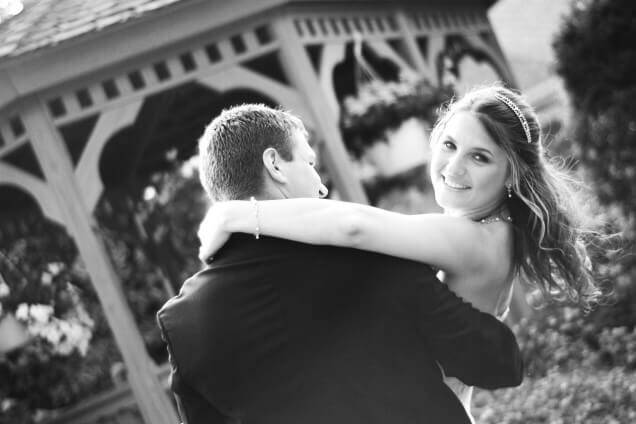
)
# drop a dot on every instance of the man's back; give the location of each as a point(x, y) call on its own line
point(281, 332)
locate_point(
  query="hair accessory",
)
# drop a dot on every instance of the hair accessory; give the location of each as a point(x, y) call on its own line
point(257, 228)
point(509, 188)
point(517, 111)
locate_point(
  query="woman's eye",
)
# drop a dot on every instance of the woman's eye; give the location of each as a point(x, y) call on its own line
point(481, 158)
point(448, 144)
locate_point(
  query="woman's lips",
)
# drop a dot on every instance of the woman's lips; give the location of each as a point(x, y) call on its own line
point(453, 185)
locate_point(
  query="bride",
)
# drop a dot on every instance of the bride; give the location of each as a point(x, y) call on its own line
point(508, 212)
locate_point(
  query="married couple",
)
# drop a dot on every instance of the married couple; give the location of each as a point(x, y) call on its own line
point(317, 311)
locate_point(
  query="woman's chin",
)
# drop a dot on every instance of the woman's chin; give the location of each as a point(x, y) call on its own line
point(451, 208)
point(449, 201)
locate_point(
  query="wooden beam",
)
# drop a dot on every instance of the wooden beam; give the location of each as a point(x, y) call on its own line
point(241, 77)
point(87, 171)
point(54, 159)
point(37, 188)
point(8, 92)
point(436, 46)
point(332, 54)
point(383, 49)
point(411, 44)
point(303, 77)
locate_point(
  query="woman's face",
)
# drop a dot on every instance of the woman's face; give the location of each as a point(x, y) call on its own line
point(469, 171)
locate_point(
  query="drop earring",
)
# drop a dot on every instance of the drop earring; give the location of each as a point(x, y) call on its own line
point(509, 188)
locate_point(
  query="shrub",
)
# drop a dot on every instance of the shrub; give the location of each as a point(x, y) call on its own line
point(564, 339)
point(36, 377)
point(583, 395)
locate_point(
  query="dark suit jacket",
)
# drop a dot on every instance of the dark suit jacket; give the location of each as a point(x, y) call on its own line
point(277, 332)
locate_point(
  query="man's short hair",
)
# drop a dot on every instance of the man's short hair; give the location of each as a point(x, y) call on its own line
point(231, 148)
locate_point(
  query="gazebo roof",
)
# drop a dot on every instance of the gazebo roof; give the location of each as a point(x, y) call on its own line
point(46, 23)
point(54, 42)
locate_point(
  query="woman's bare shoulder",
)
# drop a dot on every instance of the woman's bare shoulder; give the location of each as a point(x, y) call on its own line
point(493, 246)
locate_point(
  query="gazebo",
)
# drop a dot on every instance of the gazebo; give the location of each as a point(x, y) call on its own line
point(75, 75)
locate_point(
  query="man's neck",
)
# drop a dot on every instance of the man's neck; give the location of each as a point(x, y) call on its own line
point(269, 193)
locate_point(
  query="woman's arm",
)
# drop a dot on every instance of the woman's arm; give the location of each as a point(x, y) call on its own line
point(449, 243)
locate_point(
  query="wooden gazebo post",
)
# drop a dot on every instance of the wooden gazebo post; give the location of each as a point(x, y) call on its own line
point(153, 402)
point(304, 78)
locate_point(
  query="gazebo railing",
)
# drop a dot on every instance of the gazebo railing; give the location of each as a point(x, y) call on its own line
point(115, 406)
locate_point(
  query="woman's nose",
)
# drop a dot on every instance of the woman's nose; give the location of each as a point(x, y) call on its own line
point(455, 166)
point(322, 191)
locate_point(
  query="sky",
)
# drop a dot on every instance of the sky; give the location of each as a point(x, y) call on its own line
point(525, 29)
point(10, 8)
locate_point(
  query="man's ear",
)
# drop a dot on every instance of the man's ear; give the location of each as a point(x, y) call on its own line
point(271, 161)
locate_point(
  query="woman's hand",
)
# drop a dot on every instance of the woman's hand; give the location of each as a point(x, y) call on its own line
point(212, 232)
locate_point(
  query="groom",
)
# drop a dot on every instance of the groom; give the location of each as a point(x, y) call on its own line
point(278, 332)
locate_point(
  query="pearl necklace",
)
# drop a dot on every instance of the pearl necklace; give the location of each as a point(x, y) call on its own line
point(495, 218)
point(500, 214)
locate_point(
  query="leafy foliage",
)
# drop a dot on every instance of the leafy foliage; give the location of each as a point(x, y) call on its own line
point(565, 339)
point(152, 243)
point(597, 60)
point(582, 368)
point(579, 396)
point(380, 106)
point(35, 376)
point(151, 238)
point(577, 371)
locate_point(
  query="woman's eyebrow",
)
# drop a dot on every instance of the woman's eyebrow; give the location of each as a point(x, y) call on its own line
point(478, 149)
point(482, 150)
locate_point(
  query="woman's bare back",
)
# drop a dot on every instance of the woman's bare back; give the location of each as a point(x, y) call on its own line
point(489, 291)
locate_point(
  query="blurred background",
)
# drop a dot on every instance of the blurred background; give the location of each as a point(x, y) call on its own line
point(101, 106)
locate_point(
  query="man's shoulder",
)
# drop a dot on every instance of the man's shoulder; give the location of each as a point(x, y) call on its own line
point(198, 286)
point(198, 297)
point(277, 252)
point(245, 249)
point(245, 260)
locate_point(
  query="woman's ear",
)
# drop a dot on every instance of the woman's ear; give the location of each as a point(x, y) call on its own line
point(509, 175)
point(271, 161)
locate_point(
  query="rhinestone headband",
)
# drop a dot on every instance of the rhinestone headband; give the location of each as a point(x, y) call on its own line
point(515, 109)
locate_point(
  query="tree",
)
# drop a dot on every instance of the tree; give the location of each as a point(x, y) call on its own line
point(596, 57)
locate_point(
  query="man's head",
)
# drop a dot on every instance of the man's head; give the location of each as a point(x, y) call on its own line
point(254, 150)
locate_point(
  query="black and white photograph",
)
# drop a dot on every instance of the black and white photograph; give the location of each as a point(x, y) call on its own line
point(317, 212)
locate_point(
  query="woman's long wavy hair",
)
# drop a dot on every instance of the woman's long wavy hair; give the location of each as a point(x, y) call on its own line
point(551, 230)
